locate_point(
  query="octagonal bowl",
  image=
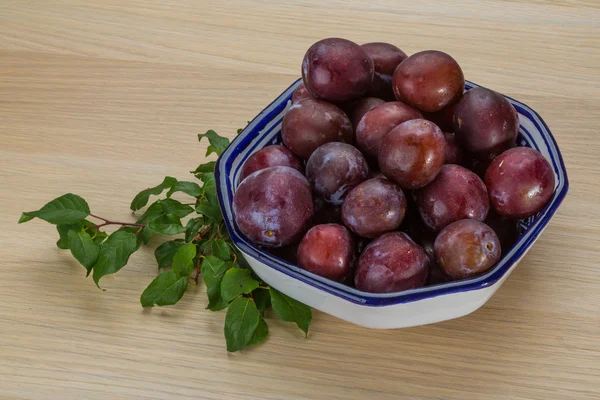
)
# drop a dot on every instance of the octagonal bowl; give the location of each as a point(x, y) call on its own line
point(390, 310)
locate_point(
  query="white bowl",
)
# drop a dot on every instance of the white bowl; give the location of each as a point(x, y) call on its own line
point(390, 310)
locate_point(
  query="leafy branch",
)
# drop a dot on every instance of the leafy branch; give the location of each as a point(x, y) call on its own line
point(202, 248)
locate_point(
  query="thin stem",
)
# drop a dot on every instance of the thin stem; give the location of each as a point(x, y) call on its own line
point(197, 270)
point(95, 216)
point(108, 222)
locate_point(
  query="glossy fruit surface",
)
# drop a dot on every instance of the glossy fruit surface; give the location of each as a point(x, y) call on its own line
point(334, 169)
point(520, 182)
point(273, 207)
point(312, 123)
point(412, 153)
point(337, 70)
point(429, 81)
point(271, 156)
point(485, 123)
point(466, 248)
point(374, 207)
point(455, 194)
point(328, 251)
point(391, 263)
point(377, 122)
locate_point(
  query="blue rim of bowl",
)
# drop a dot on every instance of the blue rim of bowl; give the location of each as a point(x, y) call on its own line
point(265, 117)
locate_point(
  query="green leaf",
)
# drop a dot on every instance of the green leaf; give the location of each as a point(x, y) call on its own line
point(237, 281)
point(191, 188)
point(165, 290)
point(261, 332)
point(204, 168)
point(262, 298)
point(183, 261)
point(98, 236)
point(290, 310)
point(220, 249)
point(164, 216)
point(63, 230)
point(193, 227)
point(165, 252)
point(176, 208)
point(141, 199)
point(66, 209)
point(217, 143)
point(241, 321)
point(83, 248)
point(213, 270)
point(146, 234)
point(209, 210)
point(167, 224)
point(114, 253)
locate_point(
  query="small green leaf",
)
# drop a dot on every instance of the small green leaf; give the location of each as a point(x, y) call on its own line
point(114, 253)
point(141, 199)
point(165, 290)
point(83, 248)
point(217, 143)
point(191, 188)
point(241, 321)
point(167, 224)
point(220, 249)
point(213, 270)
point(237, 281)
point(66, 209)
point(261, 332)
point(165, 252)
point(290, 310)
point(183, 261)
point(209, 210)
point(204, 168)
point(193, 227)
point(262, 298)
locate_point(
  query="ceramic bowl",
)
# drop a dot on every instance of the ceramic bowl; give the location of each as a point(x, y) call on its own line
point(391, 310)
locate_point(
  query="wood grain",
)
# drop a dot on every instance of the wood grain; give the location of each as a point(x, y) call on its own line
point(103, 98)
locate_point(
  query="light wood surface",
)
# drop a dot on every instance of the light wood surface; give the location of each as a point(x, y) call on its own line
point(104, 98)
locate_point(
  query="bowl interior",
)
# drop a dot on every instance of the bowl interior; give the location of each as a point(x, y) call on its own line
point(265, 130)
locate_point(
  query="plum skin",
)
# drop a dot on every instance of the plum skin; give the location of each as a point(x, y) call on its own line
point(456, 193)
point(485, 123)
point(334, 169)
point(312, 123)
point(520, 182)
point(466, 248)
point(357, 109)
point(337, 70)
point(386, 57)
point(329, 251)
point(377, 122)
point(301, 93)
point(273, 207)
point(271, 156)
point(429, 81)
point(374, 207)
point(413, 153)
point(391, 263)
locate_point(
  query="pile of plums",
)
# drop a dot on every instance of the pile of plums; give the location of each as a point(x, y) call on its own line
point(391, 177)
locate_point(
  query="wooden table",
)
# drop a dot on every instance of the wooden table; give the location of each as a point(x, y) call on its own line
point(104, 98)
